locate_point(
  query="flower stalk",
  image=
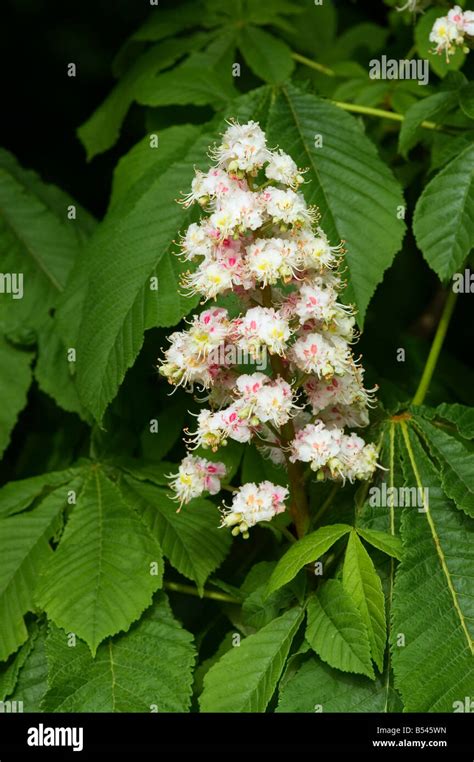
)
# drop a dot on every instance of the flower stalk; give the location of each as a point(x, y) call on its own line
point(435, 350)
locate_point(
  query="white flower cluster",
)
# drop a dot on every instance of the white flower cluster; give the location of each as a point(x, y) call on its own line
point(258, 400)
point(260, 240)
point(332, 453)
point(253, 503)
point(253, 236)
point(449, 32)
point(195, 476)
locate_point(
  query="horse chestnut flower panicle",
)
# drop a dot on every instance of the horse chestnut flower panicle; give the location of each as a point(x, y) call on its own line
point(258, 238)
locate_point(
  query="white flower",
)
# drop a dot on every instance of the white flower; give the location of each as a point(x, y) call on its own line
point(210, 279)
point(446, 34)
point(264, 400)
point(253, 503)
point(340, 390)
point(355, 460)
point(314, 251)
point(206, 186)
point(236, 422)
point(343, 323)
point(237, 212)
point(463, 20)
point(248, 384)
point(468, 23)
point(210, 431)
point(269, 259)
point(318, 353)
point(214, 428)
point(197, 242)
point(283, 169)
point(315, 302)
point(262, 327)
point(285, 206)
point(195, 476)
point(315, 444)
point(332, 453)
point(243, 147)
point(344, 415)
point(456, 17)
point(182, 366)
point(362, 467)
point(274, 403)
point(209, 330)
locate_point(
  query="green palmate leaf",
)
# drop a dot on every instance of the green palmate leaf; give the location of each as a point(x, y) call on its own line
point(106, 567)
point(461, 416)
point(362, 91)
point(317, 688)
point(245, 678)
point(301, 35)
point(203, 668)
point(445, 147)
point(357, 195)
point(54, 372)
point(157, 442)
point(432, 107)
point(152, 151)
point(269, 13)
point(70, 304)
point(448, 196)
point(267, 56)
point(433, 606)
point(387, 543)
point(466, 99)
point(457, 464)
point(163, 22)
point(15, 379)
point(37, 242)
point(25, 551)
point(363, 584)
point(102, 129)
point(381, 522)
point(336, 630)
point(16, 496)
point(32, 680)
point(258, 575)
point(10, 670)
point(305, 551)
point(120, 299)
point(148, 669)
point(294, 662)
point(55, 199)
point(425, 47)
point(190, 539)
point(220, 54)
point(258, 609)
point(157, 473)
point(365, 36)
point(194, 81)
